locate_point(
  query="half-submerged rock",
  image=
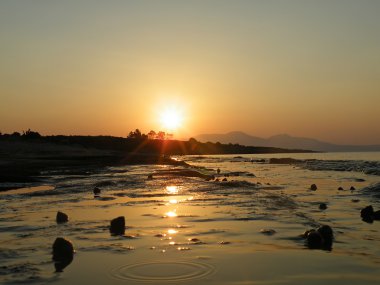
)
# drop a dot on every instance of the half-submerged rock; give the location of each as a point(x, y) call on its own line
point(96, 191)
point(118, 226)
point(63, 253)
point(322, 206)
point(369, 215)
point(322, 238)
point(313, 187)
point(61, 218)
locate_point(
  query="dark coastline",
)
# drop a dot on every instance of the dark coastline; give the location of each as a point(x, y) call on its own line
point(26, 160)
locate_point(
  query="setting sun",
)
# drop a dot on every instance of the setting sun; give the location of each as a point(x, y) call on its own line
point(171, 119)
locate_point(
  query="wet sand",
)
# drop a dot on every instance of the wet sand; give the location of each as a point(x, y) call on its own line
point(183, 229)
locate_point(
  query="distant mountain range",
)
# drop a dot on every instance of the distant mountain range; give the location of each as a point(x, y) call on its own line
point(283, 141)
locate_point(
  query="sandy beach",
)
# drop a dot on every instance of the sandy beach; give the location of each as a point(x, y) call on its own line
point(183, 229)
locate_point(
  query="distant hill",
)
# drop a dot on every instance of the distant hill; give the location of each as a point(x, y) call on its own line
point(283, 141)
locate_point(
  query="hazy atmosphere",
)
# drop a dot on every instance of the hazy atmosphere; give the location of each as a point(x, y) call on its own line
point(305, 68)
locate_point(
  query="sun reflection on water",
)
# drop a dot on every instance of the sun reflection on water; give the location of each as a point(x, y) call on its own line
point(170, 214)
point(172, 189)
point(172, 231)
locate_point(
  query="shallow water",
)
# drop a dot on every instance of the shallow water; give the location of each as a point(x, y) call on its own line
point(187, 230)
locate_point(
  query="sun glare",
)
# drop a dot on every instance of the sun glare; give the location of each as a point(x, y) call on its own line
point(171, 119)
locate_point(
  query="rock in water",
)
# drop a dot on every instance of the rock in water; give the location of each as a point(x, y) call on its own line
point(352, 188)
point(322, 238)
point(327, 235)
point(96, 191)
point(367, 214)
point(61, 217)
point(314, 240)
point(326, 232)
point(322, 206)
point(313, 187)
point(118, 226)
point(63, 253)
point(340, 188)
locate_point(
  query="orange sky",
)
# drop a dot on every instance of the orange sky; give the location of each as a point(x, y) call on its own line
point(305, 68)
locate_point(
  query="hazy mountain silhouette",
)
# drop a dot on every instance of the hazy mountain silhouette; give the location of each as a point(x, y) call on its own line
point(283, 141)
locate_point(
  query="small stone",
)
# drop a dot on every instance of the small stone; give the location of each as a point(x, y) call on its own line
point(340, 188)
point(61, 218)
point(352, 188)
point(118, 226)
point(224, 179)
point(150, 176)
point(96, 191)
point(313, 187)
point(322, 206)
point(268, 232)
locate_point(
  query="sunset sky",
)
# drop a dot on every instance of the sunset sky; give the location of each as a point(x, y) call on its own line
point(305, 68)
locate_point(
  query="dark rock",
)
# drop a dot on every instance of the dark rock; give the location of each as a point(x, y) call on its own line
point(326, 232)
point(313, 187)
point(224, 179)
point(352, 188)
point(376, 215)
point(63, 253)
point(367, 214)
point(61, 218)
point(322, 206)
point(150, 176)
point(217, 180)
point(314, 240)
point(118, 226)
point(96, 191)
point(218, 171)
point(322, 238)
point(340, 188)
point(327, 235)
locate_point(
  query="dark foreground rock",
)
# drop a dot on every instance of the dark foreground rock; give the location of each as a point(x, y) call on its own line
point(118, 226)
point(322, 238)
point(368, 215)
point(313, 187)
point(63, 253)
point(61, 218)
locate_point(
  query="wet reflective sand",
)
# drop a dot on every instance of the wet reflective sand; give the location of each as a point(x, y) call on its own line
point(182, 229)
